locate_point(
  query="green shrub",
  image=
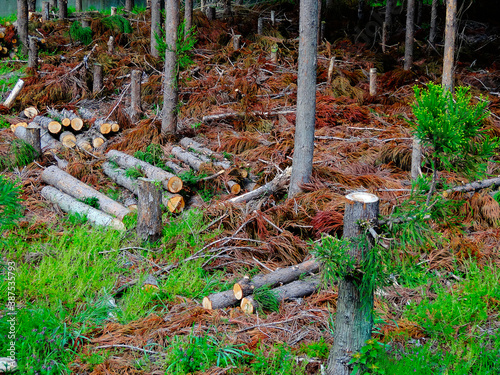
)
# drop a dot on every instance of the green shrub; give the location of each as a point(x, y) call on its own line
point(82, 34)
point(118, 24)
point(10, 208)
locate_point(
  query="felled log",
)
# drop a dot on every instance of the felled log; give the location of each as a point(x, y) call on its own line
point(30, 112)
point(276, 184)
point(67, 139)
point(174, 202)
point(189, 143)
point(220, 300)
point(171, 182)
point(176, 168)
point(118, 175)
point(474, 186)
point(47, 142)
point(234, 187)
point(105, 128)
point(115, 128)
point(187, 157)
point(14, 93)
point(71, 205)
point(33, 138)
point(54, 127)
point(77, 189)
point(245, 286)
point(19, 124)
point(296, 289)
point(149, 226)
point(83, 141)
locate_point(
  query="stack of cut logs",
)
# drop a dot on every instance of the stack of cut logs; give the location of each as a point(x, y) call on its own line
point(8, 40)
point(297, 281)
point(64, 129)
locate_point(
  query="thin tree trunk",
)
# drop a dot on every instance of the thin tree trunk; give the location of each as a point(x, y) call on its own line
point(22, 24)
point(78, 5)
point(129, 5)
point(97, 79)
point(319, 22)
point(63, 9)
point(432, 32)
point(420, 5)
point(33, 53)
point(361, 11)
point(45, 11)
point(135, 95)
point(354, 320)
point(188, 17)
point(306, 97)
point(449, 44)
point(410, 31)
point(170, 89)
point(31, 5)
point(155, 26)
point(227, 8)
point(387, 26)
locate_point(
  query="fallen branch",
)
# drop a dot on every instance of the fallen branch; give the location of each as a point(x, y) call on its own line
point(223, 116)
point(474, 186)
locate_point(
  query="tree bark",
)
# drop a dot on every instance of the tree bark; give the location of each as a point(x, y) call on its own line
point(416, 159)
point(296, 289)
point(70, 205)
point(170, 85)
point(22, 24)
point(354, 321)
point(63, 9)
point(78, 5)
point(188, 157)
point(474, 186)
point(245, 286)
point(188, 17)
point(135, 95)
point(33, 138)
point(373, 81)
point(31, 5)
point(149, 225)
point(74, 187)
point(118, 175)
point(170, 182)
point(387, 26)
point(155, 26)
point(432, 31)
point(14, 93)
point(33, 54)
point(260, 26)
point(129, 5)
point(306, 97)
point(211, 15)
point(227, 9)
point(318, 42)
point(67, 139)
point(220, 300)
point(410, 31)
point(97, 80)
point(47, 142)
point(279, 182)
point(45, 11)
point(449, 44)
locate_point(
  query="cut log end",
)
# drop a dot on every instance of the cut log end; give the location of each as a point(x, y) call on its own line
point(97, 142)
point(362, 197)
point(66, 122)
point(234, 187)
point(105, 128)
point(115, 128)
point(174, 184)
point(207, 304)
point(247, 305)
point(77, 124)
point(176, 204)
point(238, 291)
point(68, 139)
point(54, 127)
point(30, 112)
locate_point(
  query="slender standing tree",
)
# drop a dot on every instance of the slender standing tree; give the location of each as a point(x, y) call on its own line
point(410, 30)
point(63, 9)
point(306, 96)
point(155, 26)
point(22, 24)
point(188, 17)
point(387, 26)
point(129, 5)
point(432, 31)
point(170, 89)
point(31, 5)
point(449, 44)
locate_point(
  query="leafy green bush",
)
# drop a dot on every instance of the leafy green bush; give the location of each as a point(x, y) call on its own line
point(82, 34)
point(118, 24)
point(10, 209)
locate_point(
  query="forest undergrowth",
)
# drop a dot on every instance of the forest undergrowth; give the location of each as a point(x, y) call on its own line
point(80, 301)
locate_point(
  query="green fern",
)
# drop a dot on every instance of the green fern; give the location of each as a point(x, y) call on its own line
point(10, 208)
point(134, 172)
point(118, 24)
point(82, 34)
point(20, 154)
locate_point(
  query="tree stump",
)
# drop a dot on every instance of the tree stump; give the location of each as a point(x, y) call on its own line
point(260, 25)
point(33, 138)
point(354, 320)
point(33, 54)
point(97, 82)
point(236, 42)
point(148, 210)
point(373, 81)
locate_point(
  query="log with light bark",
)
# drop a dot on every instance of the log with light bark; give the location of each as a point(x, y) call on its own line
point(33, 53)
point(188, 157)
point(474, 186)
point(30, 112)
point(155, 26)
point(47, 142)
point(173, 202)
point(279, 182)
point(149, 226)
point(70, 205)
point(233, 187)
point(119, 176)
point(295, 289)
point(45, 11)
point(14, 93)
point(189, 143)
point(74, 187)
point(373, 81)
point(54, 127)
point(84, 142)
point(67, 139)
point(97, 79)
point(171, 182)
point(220, 300)
point(246, 286)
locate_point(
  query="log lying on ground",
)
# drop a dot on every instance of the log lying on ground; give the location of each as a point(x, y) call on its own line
point(150, 284)
point(279, 182)
point(234, 187)
point(119, 176)
point(220, 300)
point(83, 141)
point(67, 118)
point(202, 152)
point(71, 205)
point(171, 182)
point(187, 157)
point(474, 186)
point(67, 139)
point(14, 93)
point(30, 112)
point(74, 187)
point(47, 142)
point(296, 289)
point(245, 286)
point(19, 124)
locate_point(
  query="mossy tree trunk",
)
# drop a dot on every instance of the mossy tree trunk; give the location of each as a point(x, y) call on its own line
point(354, 319)
point(306, 97)
point(170, 88)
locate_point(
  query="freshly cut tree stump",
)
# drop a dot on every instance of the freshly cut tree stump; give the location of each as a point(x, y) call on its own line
point(67, 139)
point(149, 225)
point(47, 142)
point(220, 300)
point(97, 140)
point(296, 289)
point(30, 112)
point(245, 286)
point(174, 202)
point(279, 182)
point(171, 182)
point(150, 284)
point(71, 205)
point(33, 138)
point(74, 187)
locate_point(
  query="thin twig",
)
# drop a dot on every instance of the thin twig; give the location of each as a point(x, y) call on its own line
point(127, 347)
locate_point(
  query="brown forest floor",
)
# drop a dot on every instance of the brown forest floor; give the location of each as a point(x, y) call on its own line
point(361, 142)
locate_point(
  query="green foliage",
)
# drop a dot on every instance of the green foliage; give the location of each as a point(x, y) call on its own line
point(82, 34)
point(153, 155)
point(318, 349)
point(451, 127)
point(183, 46)
point(10, 208)
point(134, 172)
point(274, 361)
point(118, 24)
point(190, 178)
point(20, 154)
point(90, 201)
point(367, 361)
point(201, 353)
point(266, 299)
